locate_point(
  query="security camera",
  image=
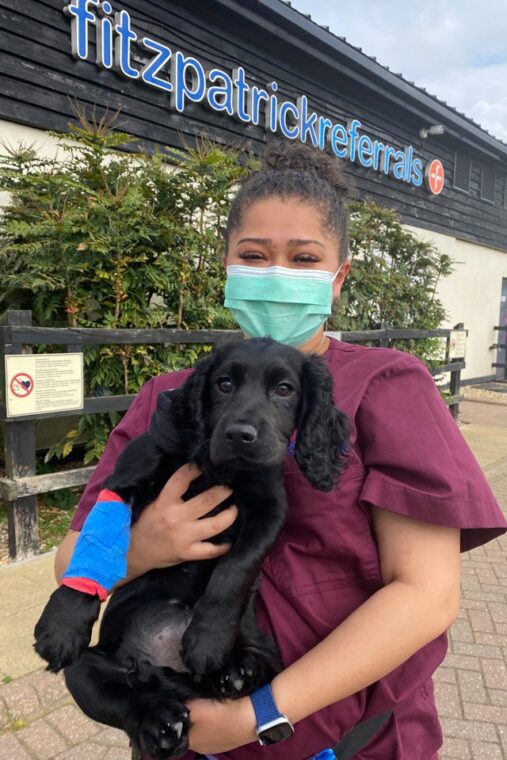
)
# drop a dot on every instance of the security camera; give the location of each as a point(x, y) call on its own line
point(436, 129)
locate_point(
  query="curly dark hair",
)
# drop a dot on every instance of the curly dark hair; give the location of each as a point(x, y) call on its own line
point(296, 170)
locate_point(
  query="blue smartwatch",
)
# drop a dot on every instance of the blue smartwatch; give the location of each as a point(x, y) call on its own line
point(272, 725)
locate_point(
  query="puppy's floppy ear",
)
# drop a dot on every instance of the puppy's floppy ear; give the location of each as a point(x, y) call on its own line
point(323, 433)
point(196, 405)
point(179, 422)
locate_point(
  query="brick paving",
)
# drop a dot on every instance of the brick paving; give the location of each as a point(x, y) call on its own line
point(39, 721)
point(471, 684)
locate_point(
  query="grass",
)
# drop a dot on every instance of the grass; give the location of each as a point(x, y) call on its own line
point(17, 724)
point(55, 514)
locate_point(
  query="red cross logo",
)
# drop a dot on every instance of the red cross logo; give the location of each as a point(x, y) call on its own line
point(435, 176)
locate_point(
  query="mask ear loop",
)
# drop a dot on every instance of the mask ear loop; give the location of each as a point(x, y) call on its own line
point(333, 278)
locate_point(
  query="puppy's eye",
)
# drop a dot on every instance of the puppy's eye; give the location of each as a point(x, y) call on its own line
point(225, 384)
point(284, 389)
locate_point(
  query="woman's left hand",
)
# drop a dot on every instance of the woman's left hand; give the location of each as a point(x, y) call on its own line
point(221, 726)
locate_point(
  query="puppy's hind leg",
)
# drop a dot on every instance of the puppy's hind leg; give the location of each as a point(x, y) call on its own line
point(100, 686)
point(254, 660)
point(147, 704)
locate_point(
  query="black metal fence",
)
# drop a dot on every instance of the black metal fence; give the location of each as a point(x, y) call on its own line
point(20, 485)
point(502, 346)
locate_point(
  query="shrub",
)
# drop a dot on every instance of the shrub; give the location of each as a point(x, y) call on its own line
point(114, 239)
point(393, 280)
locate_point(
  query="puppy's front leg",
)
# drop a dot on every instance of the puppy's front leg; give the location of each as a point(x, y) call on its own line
point(99, 559)
point(64, 629)
point(214, 629)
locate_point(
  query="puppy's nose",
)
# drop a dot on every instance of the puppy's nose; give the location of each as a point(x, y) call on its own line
point(240, 433)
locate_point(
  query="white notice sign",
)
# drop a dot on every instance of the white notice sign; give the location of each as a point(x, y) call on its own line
point(43, 383)
point(457, 344)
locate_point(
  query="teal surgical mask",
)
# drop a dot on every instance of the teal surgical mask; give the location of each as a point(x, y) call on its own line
point(289, 305)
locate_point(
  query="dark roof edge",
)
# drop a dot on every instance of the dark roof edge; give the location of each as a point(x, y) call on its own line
point(441, 109)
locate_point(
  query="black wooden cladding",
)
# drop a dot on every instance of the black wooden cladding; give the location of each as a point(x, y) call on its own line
point(40, 78)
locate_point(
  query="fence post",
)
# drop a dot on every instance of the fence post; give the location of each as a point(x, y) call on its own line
point(19, 445)
point(455, 381)
point(384, 342)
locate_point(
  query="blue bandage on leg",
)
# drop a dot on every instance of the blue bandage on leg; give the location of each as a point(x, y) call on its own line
point(100, 554)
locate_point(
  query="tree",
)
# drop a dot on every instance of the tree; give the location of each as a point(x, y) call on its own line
point(393, 279)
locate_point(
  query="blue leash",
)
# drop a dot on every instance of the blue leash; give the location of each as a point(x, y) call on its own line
point(353, 741)
point(350, 744)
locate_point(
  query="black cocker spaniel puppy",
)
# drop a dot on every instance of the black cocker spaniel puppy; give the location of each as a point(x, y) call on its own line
point(233, 417)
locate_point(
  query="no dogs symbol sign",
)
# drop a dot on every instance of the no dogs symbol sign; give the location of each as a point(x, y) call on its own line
point(21, 385)
point(43, 383)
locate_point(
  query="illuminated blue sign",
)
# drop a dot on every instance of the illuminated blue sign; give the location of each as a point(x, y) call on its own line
point(185, 80)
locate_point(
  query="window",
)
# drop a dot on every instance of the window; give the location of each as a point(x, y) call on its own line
point(462, 169)
point(488, 184)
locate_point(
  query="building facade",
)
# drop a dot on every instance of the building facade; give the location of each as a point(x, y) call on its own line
point(237, 71)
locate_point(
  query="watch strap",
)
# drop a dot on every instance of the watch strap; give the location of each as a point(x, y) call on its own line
point(264, 706)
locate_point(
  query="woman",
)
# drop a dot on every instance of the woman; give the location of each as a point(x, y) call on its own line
point(363, 582)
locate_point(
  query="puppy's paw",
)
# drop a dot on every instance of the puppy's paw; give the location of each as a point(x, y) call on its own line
point(163, 731)
point(247, 669)
point(64, 629)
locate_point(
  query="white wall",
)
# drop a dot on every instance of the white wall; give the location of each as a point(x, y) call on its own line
point(46, 145)
point(13, 134)
point(471, 294)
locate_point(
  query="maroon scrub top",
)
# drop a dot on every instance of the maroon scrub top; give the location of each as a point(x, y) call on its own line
point(408, 456)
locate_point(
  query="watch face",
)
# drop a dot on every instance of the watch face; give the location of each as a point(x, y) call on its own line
point(275, 734)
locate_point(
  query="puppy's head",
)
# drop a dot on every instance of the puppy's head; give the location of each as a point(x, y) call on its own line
point(243, 402)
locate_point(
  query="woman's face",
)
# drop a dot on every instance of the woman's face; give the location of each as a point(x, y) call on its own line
point(287, 233)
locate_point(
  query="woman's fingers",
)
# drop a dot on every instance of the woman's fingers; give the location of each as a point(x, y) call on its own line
point(204, 502)
point(180, 480)
point(206, 550)
point(169, 530)
point(199, 505)
point(212, 526)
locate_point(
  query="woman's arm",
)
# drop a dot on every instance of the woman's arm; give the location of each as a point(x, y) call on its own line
point(420, 566)
point(64, 553)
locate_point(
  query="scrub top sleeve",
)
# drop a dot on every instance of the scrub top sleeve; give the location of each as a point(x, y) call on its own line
point(417, 462)
point(134, 422)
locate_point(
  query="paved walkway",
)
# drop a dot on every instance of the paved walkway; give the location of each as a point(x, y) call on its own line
point(471, 685)
point(38, 720)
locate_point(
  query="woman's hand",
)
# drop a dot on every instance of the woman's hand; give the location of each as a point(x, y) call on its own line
point(221, 726)
point(169, 530)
